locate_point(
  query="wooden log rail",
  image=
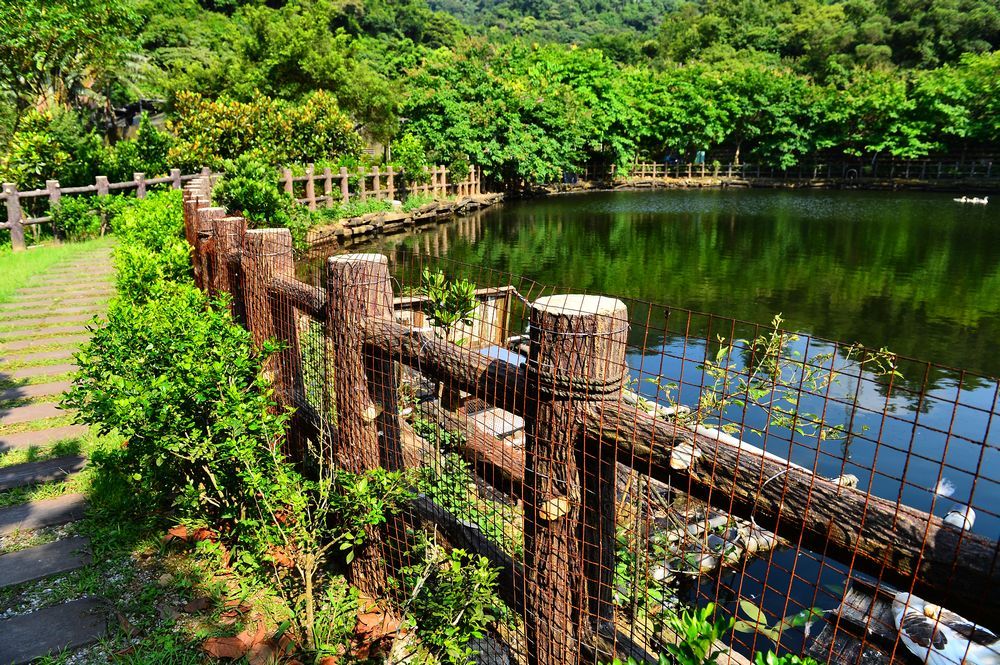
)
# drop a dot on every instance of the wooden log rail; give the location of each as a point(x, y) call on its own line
point(572, 442)
point(891, 541)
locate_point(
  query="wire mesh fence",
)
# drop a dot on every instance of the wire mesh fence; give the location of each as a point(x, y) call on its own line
point(618, 461)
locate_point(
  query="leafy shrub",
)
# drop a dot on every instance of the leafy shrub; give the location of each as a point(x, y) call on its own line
point(210, 132)
point(410, 156)
point(153, 248)
point(51, 147)
point(183, 385)
point(81, 217)
point(147, 154)
point(771, 658)
point(415, 201)
point(453, 600)
point(250, 187)
point(698, 634)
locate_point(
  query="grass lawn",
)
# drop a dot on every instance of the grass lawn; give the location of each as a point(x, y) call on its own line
point(17, 268)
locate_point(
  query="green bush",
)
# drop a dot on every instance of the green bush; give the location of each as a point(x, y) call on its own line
point(82, 217)
point(210, 132)
point(410, 156)
point(182, 384)
point(146, 154)
point(453, 600)
point(51, 147)
point(152, 248)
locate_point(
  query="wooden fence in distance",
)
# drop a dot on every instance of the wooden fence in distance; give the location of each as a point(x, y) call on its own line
point(363, 185)
point(570, 391)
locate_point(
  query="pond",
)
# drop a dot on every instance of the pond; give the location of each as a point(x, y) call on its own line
point(914, 272)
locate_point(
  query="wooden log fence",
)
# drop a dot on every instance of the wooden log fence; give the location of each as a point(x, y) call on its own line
point(889, 169)
point(579, 425)
point(311, 189)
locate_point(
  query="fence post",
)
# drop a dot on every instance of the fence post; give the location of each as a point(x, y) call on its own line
point(390, 183)
point(229, 236)
point(444, 181)
point(286, 178)
point(345, 191)
point(15, 221)
point(577, 352)
point(265, 254)
point(376, 184)
point(362, 192)
point(328, 186)
point(175, 178)
point(55, 194)
point(358, 287)
point(140, 185)
point(204, 247)
point(311, 186)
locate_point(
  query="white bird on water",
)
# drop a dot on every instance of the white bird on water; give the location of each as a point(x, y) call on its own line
point(964, 199)
point(961, 516)
point(940, 637)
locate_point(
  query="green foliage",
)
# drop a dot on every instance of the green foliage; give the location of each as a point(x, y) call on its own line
point(51, 147)
point(451, 301)
point(698, 636)
point(182, 384)
point(146, 154)
point(210, 132)
point(415, 201)
point(755, 620)
point(250, 188)
point(152, 249)
point(409, 155)
point(453, 599)
point(771, 658)
point(82, 217)
point(66, 50)
point(775, 375)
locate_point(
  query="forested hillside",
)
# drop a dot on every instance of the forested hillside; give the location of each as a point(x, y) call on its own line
point(527, 89)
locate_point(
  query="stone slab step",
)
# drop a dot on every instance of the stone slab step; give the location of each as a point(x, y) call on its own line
point(44, 321)
point(41, 356)
point(34, 563)
point(39, 333)
point(37, 514)
point(38, 370)
point(29, 413)
point(42, 437)
point(62, 292)
point(25, 344)
point(33, 312)
point(32, 473)
point(34, 390)
point(50, 630)
point(52, 302)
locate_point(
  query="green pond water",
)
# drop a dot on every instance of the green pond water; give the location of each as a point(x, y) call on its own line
point(914, 272)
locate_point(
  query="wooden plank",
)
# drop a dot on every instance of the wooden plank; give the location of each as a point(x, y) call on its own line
point(50, 630)
point(32, 473)
point(30, 412)
point(42, 437)
point(34, 563)
point(38, 514)
point(34, 390)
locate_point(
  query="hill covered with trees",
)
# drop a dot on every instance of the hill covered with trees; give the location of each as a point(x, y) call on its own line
point(527, 89)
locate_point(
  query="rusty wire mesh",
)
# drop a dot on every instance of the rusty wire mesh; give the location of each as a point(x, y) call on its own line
point(608, 458)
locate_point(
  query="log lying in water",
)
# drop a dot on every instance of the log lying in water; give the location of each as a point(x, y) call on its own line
point(892, 541)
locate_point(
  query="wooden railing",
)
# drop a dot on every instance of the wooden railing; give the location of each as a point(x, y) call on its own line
point(311, 189)
point(570, 390)
point(885, 169)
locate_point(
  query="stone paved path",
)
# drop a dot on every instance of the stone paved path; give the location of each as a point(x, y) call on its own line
point(41, 326)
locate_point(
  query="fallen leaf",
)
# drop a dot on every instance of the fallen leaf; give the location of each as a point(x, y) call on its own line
point(126, 627)
point(165, 579)
point(262, 654)
point(197, 604)
point(327, 660)
point(253, 634)
point(224, 647)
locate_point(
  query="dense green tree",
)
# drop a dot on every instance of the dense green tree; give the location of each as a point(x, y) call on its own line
point(63, 51)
